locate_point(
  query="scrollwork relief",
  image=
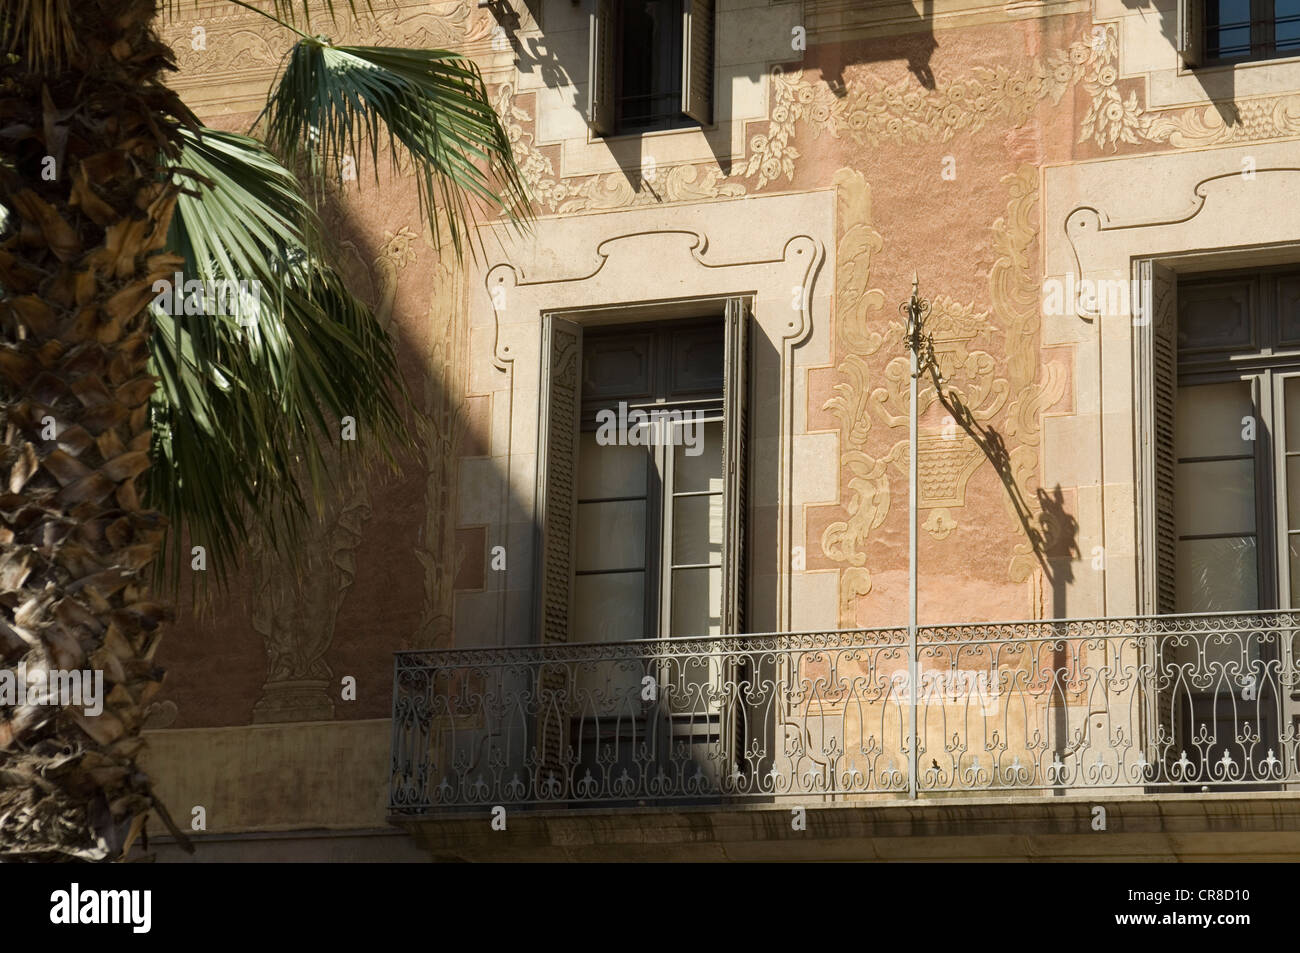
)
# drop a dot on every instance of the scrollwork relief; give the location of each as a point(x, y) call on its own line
point(1014, 390)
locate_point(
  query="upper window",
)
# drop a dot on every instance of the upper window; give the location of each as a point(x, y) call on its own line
point(650, 65)
point(1251, 29)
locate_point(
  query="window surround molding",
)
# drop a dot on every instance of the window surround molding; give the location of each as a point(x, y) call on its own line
point(635, 265)
point(1194, 212)
point(750, 41)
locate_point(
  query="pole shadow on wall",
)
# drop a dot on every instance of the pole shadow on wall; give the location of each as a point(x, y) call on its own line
point(1052, 532)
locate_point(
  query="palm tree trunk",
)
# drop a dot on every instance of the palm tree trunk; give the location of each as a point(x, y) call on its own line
point(86, 129)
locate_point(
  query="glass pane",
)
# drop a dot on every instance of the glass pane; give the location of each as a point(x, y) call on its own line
point(697, 529)
point(1217, 575)
point(1217, 497)
point(1286, 15)
point(1293, 492)
point(1293, 549)
point(1291, 397)
point(1288, 303)
point(696, 602)
point(649, 61)
point(1228, 23)
point(1208, 420)
point(697, 457)
point(609, 607)
point(611, 535)
point(610, 471)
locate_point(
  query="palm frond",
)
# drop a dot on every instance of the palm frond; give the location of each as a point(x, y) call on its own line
point(248, 405)
point(337, 101)
point(41, 29)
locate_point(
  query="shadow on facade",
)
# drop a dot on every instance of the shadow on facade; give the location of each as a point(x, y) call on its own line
point(1051, 531)
point(912, 39)
point(1217, 85)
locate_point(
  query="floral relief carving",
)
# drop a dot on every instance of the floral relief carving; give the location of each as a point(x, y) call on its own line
point(238, 41)
point(858, 308)
point(873, 112)
point(681, 183)
point(1037, 386)
point(1014, 390)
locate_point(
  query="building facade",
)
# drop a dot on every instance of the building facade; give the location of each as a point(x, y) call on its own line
point(643, 593)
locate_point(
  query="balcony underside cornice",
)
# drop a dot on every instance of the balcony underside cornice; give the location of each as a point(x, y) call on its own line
point(1172, 827)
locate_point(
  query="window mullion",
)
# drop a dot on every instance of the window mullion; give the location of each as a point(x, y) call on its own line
point(658, 543)
point(1261, 28)
point(1265, 500)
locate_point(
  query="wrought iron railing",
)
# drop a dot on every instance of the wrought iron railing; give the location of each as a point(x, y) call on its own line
point(1138, 704)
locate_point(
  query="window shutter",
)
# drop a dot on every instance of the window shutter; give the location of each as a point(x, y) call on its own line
point(557, 459)
point(600, 69)
point(735, 435)
point(1156, 400)
point(1190, 29)
point(1164, 358)
point(697, 60)
point(557, 454)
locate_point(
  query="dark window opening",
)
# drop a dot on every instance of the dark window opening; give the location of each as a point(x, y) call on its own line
point(649, 65)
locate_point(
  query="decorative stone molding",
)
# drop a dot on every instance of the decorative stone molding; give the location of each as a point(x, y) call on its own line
point(1186, 212)
point(608, 268)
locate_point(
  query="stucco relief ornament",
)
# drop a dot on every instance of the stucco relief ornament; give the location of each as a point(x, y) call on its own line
point(940, 523)
point(295, 612)
point(553, 192)
point(442, 428)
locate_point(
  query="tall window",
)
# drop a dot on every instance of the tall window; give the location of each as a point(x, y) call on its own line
point(1237, 443)
point(1251, 29)
point(650, 64)
point(650, 483)
point(642, 493)
point(1227, 494)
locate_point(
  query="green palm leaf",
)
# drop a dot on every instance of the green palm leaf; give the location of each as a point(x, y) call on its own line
point(247, 411)
point(337, 101)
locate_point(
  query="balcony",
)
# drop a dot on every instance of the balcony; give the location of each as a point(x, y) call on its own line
point(1137, 707)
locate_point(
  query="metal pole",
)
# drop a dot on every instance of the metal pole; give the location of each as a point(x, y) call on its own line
point(911, 576)
point(915, 310)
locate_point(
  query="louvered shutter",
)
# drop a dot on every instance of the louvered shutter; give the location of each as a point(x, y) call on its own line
point(557, 455)
point(1157, 402)
point(600, 69)
point(1190, 31)
point(697, 60)
point(738, 669)
point(1164, 378)
point(735, 437)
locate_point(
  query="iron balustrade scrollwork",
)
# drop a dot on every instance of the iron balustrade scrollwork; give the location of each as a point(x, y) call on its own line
point(1055, 706)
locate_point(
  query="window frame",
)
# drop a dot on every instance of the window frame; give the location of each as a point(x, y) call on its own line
point(660, 467)
point(559, 433)
point(1267, 363)
point(694, 40)
point(1263, 35)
